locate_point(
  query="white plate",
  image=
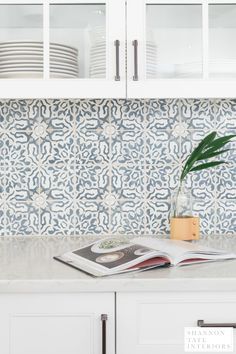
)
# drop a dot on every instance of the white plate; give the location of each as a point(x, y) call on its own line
point(98, 61)
point(34, 75)
point(35, 51)
point(101, 68)
point(98, 49)
point(37, 69)
point(97, 76)
point(98, 56)
point(35, 61)
point(98, 67)
point(37, 66)
point(38, 59)
point(103, 74)
point(39, 44)
point(57, 68)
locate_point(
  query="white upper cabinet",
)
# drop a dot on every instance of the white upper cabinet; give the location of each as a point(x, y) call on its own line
point(62, 49)
point(181, 48)
point(117, 48)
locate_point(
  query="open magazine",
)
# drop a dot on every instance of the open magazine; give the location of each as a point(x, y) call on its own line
point(115, 255)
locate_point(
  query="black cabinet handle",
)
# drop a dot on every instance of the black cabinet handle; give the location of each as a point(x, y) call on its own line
point(201, 323)
point(117, 45)
point(135, 44)
point(104, 318)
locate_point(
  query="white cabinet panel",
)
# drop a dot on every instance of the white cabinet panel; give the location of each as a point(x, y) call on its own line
point(184, 49)
point(63, 50)
point(155, 322)
point(55, 324)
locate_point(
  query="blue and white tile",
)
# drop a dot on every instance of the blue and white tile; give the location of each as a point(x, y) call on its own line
point(56, 217)
point(53, 113)
point(22, 219)
point(92, 114)
point(230, 156)
point(226, 217)
point(128, 146)
point(92, 181)
point(14, 115)
point(58, 147)
point(157, 217)
point(21, 170)
point(203, 184)
point(205, 209)
point(158, 181)
point(57, 181)
point(128, 217)
point(225, 114)
point(22, 182)
point(198, 113)
point(190, 142)
point(128, 181)
point(92, 146)
point(92, 217)
point(226, 182)
point(162, 147)
point(128, 114)
point(162, 113)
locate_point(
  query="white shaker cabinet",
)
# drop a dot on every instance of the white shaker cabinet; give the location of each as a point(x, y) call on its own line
point(117, 48)
point(181, 49)
point(61, 49)
point(151, 323)
point(57, 323)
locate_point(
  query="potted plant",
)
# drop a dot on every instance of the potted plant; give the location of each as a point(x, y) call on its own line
point(183, 225)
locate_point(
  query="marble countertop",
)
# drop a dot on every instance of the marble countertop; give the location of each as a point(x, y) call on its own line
point(27, 265)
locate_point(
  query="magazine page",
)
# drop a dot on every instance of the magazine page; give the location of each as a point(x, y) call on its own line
point(112, 255)
point(179, 251)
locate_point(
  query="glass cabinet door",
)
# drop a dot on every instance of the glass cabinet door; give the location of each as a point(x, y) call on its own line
point(173, 41)
point(78, 41)
point(21, 41)
point(222, 49)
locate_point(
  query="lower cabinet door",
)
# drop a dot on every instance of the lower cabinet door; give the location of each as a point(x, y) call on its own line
point(153, 323)
point(57, 323)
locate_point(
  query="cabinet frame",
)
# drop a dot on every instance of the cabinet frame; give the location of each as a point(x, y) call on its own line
point(75, 88)
point(170, 88)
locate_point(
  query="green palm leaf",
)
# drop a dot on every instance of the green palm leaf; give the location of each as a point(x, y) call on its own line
point(207, 165)
point(195, 154)
point(208, 155)
point(208, 148)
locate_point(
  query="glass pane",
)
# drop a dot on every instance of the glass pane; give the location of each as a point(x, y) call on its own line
point(222, 49)
point(21, 41)
point(78, 41)
point(174, 41)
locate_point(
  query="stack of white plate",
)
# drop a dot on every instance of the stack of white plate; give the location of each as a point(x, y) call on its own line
point(24, 59)
point(151, 60)
point(97, 67)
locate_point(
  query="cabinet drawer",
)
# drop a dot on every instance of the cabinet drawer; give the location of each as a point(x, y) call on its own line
point(155, 322)
point(57, 323)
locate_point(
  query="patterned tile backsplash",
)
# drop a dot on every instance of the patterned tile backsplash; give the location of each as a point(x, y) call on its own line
point(77, 167)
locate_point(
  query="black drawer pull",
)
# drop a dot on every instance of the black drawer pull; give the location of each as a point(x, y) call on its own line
point(201, 323)
point(104, 318)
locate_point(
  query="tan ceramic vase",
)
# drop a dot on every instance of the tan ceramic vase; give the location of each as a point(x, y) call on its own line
point(185, 228)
